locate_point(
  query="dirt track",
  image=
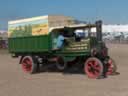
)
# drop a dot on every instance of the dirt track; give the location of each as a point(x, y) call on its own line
point(13, 82)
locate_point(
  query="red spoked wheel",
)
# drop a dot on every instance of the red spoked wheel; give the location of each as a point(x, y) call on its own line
point(112, 68)
point(93, 67)
point(28, 64)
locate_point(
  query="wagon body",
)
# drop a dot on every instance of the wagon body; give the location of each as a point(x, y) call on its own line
point(29, 44)
point(32, 34)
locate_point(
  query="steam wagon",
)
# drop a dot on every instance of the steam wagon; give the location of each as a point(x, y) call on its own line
point(34, 40)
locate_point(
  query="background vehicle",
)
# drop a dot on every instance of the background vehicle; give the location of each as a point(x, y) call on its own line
point(35, 41)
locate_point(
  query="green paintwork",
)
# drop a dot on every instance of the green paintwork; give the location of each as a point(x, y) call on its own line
point(77, 46)
point(34, 37)
point(44, 44)
point(29, 44)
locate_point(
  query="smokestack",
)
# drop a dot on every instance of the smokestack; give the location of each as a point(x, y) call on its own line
point(99, 30)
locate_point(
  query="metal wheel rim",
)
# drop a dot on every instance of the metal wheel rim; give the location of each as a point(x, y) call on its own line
point(27, 65)
point(93, 69)
point(110, 67)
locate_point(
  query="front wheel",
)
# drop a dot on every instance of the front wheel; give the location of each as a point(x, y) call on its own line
point(112, 68)
point(29, 64)
point(93, 67)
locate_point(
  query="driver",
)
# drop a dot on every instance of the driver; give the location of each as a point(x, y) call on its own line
point(60, 40)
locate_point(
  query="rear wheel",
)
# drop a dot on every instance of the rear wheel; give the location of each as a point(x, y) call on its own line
point(93, 67)
point(29, 64)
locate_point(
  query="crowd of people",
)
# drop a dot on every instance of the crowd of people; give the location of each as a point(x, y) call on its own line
point(116, 37)
point(3, 44)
